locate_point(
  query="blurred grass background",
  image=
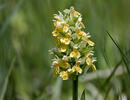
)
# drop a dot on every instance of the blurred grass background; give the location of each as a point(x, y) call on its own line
point(25, 38)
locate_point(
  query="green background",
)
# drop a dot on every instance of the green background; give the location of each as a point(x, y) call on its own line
point(25, 38)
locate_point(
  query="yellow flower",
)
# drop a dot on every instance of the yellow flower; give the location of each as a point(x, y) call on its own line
point(65, 40)
point(65, 28)
point(56, 22)
point(55, 63)
point(80, 33)
point(64, 75)
point(75, 13)
point(70, 71)
point(55, 33)
point(89, 41)
point(64, 64)
point(63, 48)
point(57, 17)
point(89, 59)
point(77, 68)
point(75, 54)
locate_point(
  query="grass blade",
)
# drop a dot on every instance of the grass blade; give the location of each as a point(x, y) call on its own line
point(83, 95)
point(112, 74)
point(124, 58)
point(6, 80)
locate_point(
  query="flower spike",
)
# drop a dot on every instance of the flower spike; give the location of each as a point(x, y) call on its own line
point(73, 52)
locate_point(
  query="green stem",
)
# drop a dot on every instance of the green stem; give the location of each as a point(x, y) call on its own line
point(75, 88)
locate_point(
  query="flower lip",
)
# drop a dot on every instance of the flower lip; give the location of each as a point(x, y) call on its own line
point(77, 68)
point(64, 75)
point(75, 54)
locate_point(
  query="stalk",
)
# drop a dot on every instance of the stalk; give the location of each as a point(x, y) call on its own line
point(75, 88)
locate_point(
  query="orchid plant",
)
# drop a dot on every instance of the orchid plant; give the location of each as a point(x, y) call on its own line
point(73, 51)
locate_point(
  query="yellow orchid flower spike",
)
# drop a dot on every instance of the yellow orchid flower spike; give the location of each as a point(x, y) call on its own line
point(73, 51)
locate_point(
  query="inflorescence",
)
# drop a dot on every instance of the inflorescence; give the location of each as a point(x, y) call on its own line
point(74, 49)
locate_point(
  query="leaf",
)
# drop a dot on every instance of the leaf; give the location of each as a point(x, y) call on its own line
point(3, 91)
point(83, 95)
point(112, 74)
point(124, 57)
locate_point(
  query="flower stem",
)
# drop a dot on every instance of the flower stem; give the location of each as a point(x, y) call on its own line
point(75, 88)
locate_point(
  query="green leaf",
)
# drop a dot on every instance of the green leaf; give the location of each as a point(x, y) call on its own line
point(124, 57)
point(3, 91)
point(83, 95)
